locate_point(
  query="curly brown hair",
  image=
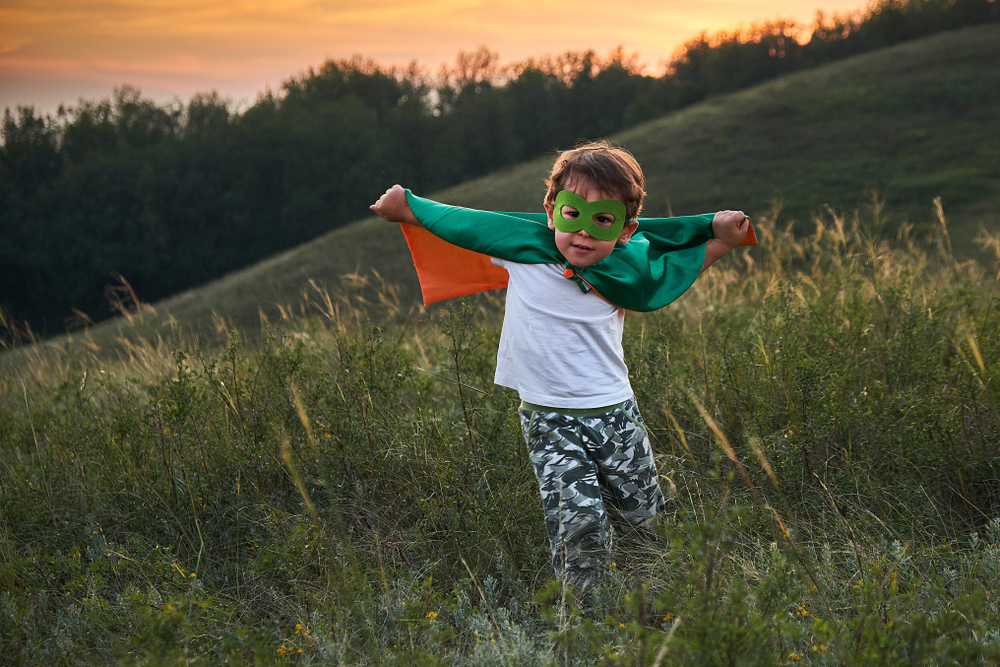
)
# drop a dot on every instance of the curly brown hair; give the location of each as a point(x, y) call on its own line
point(610, 168)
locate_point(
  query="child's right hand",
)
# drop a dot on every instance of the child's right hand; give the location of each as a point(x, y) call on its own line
point(730, 227)
point(392, 206)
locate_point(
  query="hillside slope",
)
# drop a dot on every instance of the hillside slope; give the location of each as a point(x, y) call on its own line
point(905, 124)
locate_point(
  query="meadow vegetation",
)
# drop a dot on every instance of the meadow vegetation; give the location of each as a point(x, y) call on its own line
point(348, 486)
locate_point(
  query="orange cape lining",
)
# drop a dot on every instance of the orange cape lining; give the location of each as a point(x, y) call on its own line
point(446, 271)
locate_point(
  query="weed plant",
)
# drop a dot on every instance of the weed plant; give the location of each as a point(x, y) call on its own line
point(824, 410)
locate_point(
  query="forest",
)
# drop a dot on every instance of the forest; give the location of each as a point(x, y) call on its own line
point(161, 198)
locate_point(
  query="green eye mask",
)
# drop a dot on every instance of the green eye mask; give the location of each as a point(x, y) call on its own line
point(589, 213)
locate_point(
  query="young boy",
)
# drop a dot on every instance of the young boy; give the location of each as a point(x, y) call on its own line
point(570, 281)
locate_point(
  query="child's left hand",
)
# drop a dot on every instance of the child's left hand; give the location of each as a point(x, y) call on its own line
point(730, 227)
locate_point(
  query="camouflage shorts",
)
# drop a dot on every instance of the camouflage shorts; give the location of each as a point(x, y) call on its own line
point(590, 468)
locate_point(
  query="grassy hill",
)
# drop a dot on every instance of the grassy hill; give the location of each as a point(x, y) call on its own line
point(899, 127)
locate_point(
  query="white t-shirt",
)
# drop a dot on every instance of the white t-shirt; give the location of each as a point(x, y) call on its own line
point(560, 347)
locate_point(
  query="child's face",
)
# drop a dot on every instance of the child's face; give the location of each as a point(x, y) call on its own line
point(580, 248)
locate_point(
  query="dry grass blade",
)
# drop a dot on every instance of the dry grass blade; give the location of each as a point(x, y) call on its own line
point(286, 456)
point(755, 444)
point(680, 432)
point(727, 448)
point(666, 642)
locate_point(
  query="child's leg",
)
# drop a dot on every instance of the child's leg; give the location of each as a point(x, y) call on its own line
point(575, 518)
point(627, 471)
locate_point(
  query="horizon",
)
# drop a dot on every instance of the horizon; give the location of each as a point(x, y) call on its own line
point(60, 54)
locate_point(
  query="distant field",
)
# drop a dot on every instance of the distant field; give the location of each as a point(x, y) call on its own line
point(901, 126)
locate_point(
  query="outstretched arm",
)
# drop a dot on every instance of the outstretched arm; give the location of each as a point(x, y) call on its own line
point(729, 228)
point(392, 206)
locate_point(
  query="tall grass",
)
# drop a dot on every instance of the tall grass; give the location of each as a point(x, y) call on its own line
point(824, 411)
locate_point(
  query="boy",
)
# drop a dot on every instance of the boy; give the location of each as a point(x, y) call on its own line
point(561, 343)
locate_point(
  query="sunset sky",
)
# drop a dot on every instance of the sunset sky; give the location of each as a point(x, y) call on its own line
point(57, 51)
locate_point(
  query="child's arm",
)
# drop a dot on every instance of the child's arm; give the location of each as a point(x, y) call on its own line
point(452, 246)
point(517, 237)
point(729, 228)
point(392, 206)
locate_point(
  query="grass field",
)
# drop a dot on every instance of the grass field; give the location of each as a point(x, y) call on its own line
point(824, 412)
point(343, 484)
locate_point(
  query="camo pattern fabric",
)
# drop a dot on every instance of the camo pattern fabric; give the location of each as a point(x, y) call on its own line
point(590, 468)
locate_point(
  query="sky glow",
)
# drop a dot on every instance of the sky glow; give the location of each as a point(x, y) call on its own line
point(58, 51)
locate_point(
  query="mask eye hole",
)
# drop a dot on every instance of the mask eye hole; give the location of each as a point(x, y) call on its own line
point(604, 219)
point(569, 213)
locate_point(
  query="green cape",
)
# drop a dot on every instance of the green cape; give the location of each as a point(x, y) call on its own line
point(658, 264)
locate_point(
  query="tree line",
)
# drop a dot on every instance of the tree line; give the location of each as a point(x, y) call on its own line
point(169, 197)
